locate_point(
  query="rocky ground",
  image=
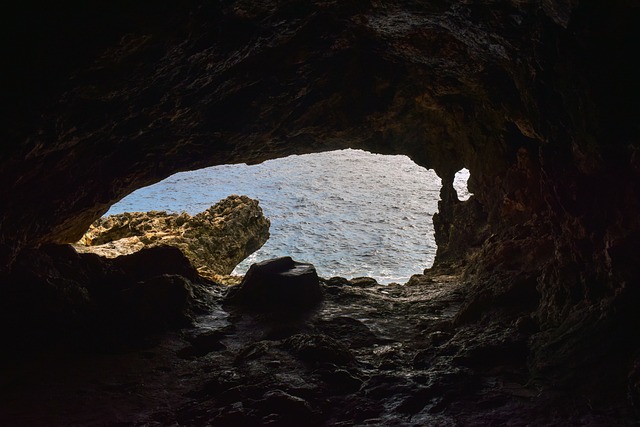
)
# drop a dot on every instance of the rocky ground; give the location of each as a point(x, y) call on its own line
point(366, 355)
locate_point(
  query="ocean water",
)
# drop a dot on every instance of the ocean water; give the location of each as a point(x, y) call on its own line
point(350, 213)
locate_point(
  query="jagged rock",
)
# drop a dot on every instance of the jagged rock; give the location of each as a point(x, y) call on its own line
point(215, 241)
point(281, 285)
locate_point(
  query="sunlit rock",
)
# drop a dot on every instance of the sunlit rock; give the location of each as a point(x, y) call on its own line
point(215, 241)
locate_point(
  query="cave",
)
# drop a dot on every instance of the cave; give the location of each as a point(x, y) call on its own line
point(529, 313)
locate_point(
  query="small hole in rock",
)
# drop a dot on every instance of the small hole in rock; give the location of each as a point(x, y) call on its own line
point(460, 184)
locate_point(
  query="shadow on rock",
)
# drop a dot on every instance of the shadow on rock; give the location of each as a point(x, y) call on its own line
point(55, 294)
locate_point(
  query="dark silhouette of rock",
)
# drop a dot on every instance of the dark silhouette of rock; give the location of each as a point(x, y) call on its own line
point(280, 285)
point(150, 262)
point(56, 293)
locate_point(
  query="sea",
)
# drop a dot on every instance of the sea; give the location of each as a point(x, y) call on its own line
point(350, 213)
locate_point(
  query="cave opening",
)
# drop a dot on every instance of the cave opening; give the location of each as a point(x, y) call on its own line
point(349, 212)
point(461, 184)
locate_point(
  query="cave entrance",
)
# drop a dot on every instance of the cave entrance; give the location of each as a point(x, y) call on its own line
point(460, 181)
point(349, 212)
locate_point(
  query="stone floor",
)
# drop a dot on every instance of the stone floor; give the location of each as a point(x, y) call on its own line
point(369, 355)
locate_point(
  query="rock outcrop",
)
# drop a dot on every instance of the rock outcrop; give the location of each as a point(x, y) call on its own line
point(215, 241)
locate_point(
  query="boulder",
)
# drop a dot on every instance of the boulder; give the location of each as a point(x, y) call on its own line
point(215, 241)
point(279, 284)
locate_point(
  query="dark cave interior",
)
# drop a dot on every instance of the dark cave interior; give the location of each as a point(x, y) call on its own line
point(538, 99)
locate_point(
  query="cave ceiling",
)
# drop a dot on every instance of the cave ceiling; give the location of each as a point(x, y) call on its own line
point(108, 97)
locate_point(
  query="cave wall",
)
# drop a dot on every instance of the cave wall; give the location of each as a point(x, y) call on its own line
point(111, 97)
point(538, 99)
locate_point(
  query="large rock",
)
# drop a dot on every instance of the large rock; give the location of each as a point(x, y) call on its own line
point(280, 284)
point(215, 241)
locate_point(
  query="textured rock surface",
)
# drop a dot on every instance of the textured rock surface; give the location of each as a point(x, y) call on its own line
point(449, 83)
point(215, 241)
point(380, 355)
point(538, 99)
